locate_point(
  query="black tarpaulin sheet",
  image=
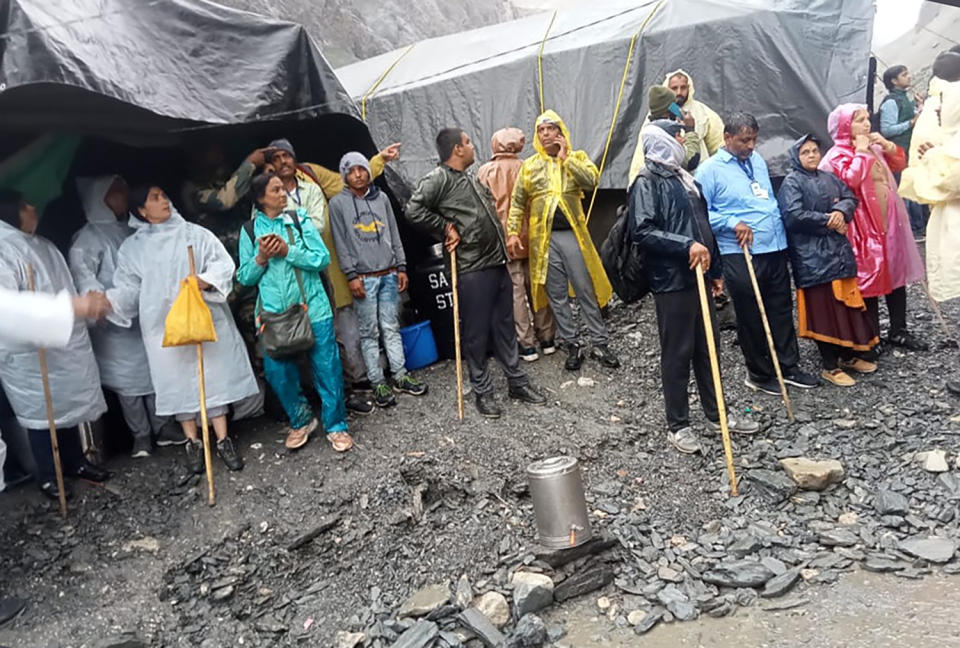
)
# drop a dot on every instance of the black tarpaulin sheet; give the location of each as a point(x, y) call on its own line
point(136, 67)
point(789, 62)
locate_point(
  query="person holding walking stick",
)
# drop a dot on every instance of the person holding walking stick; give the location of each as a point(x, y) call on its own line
point(30, 262)
point(670, 224)
point(744, 215)
point(451, 205)
point(150, 267)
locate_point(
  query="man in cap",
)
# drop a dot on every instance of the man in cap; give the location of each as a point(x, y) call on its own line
point(372, 258)
point(662, 103)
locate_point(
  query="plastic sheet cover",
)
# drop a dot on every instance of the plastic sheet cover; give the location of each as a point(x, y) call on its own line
point(789, 62)
point(141, 66)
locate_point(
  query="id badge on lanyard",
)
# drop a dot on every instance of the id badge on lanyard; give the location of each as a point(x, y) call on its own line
point(759, 191)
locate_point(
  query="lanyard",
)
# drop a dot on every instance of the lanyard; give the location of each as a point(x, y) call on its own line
point(747, 167)
point(297, 198)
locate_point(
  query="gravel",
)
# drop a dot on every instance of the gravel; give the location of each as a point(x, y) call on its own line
point(303, 546)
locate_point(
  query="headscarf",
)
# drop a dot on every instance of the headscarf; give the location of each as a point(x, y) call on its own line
point(660, 147)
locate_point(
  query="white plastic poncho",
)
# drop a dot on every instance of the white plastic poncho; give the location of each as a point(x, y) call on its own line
point(934, 179)
point(74, 377)
point(150, 266)
point(93, 262)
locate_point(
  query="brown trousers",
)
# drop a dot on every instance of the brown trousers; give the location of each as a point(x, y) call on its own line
point(531, 327)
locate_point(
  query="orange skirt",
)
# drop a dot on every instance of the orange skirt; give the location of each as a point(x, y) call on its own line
point(835, 313)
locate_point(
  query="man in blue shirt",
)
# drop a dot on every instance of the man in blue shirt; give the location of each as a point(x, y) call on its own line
point(743, 212)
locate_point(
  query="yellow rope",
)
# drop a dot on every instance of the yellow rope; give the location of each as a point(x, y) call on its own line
point(540, 59)
point(373, 88)
point(616, 108)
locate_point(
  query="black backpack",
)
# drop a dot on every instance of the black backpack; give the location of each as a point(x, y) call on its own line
point(623, 260)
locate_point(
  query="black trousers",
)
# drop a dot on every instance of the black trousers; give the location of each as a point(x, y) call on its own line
point(682, 343)
point(773, 278)
point(897, 307)
point(486, 315)
point(71, 453)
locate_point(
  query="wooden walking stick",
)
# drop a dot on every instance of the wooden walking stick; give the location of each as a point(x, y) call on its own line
point(766, 329)
point(204, 424)
point(717, 384)
point(456, 331)
point(48, 397)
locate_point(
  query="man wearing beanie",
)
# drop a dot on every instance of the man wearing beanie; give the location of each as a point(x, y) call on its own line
point(662, 102)
point(372, 259)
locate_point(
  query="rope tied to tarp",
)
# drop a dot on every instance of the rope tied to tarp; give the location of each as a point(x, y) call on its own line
point(383, 77)
point(616, 108)
point(543, 43)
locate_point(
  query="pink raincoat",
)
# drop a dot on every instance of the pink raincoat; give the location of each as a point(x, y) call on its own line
point(886, 260)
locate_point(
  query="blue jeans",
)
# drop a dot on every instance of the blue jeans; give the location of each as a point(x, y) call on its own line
point(284, 378)
point(377, 315)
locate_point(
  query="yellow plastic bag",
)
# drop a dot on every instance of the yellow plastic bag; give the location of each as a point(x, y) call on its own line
point(189, 320)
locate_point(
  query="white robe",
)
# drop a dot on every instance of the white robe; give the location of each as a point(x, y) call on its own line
point(150, 266)
point(74, 377)
point(93, 262)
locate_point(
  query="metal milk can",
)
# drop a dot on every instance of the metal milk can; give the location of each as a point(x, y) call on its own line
point(558, 502)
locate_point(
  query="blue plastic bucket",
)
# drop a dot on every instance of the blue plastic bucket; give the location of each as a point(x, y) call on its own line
point(419, 347)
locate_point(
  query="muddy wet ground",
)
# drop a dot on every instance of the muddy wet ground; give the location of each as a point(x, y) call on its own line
point(424, 499)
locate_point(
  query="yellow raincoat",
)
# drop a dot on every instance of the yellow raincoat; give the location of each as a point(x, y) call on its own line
point(934, 180)
point(544, 184)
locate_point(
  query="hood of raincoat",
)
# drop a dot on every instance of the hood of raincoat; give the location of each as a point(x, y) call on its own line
point(666, 82)
point(554, 118)
point(794, 152)
point(175, 220)
point(507, 142)
point(93, 191)
point(838, 123)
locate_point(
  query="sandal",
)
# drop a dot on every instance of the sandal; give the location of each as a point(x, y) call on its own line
point(341, 441)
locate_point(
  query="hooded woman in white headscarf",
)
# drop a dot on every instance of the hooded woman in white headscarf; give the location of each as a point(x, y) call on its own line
point(150, 266)
point(120, 353)
point(671, 226)
point(72, 370)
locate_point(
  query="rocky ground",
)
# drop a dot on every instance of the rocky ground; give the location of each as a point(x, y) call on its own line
point(387, 545)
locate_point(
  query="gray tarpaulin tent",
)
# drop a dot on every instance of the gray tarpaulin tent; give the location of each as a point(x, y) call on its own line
point(787, 61)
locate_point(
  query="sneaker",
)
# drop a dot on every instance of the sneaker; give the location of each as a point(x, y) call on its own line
point(606, 357)
point(527, 394)
point(170, 435)
point(529, 354)
point(228, 452)
point(802, 380)
point(409, 385)
point(771, 387)
point(142, 447)
point(953, 387)
point(548, 347)
point(858, 365)
point(908, 341)
point(195, 463)
point(487, 406)
point(736, 426)
point(919, 237)
point(574, 358)
point(685, 441)
point(297, 438)
point(838, 377)
point(383, 396)
point(358, 404)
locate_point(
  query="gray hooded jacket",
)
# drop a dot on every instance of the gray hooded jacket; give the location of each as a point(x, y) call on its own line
point(365, 233)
